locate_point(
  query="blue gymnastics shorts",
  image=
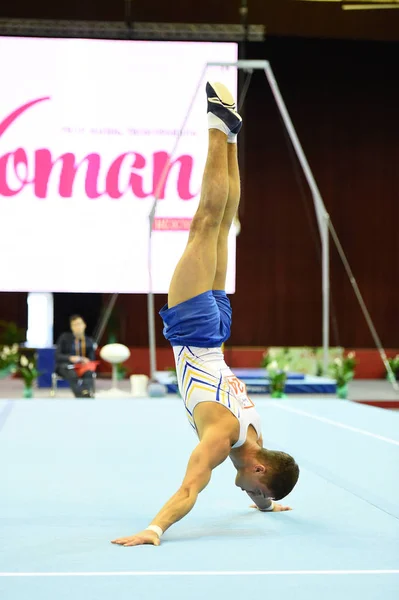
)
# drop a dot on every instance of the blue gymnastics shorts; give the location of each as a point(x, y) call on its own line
point(203, 321)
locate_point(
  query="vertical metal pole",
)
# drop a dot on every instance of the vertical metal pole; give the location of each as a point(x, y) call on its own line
point(105, 318)
point(321, 213)
point(326, 290)
point(151, 334)
point(151, 308)
point(242, 80)
point(128, 13)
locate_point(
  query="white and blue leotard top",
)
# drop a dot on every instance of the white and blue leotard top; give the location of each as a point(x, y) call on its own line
point(203, 376)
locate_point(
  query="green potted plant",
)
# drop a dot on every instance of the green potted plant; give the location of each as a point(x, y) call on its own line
point(277, 379)
point(9, 358)
point(27, 369)
point(394, 364)
point(277, 364)
point(342, 369)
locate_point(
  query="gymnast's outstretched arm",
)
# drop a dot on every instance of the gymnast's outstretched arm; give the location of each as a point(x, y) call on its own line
point(210, 452)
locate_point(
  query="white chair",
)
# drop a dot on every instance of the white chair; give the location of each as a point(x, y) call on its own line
point(55, 377)
point(114, 354)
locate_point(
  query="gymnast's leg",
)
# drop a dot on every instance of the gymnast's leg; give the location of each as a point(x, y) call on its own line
point(230, 212)
point(196, 271)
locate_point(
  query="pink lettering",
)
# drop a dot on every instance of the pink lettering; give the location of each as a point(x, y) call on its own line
point(162, 168)
point(44, 166)
point(19, 158)
point(135, 181)
point(112, 182)
point(64, 169)
point(14, 115)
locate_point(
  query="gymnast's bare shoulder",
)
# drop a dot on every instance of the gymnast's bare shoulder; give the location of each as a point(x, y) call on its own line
point(212, 416)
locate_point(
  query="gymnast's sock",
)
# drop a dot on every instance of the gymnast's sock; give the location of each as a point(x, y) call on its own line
point(215, 122)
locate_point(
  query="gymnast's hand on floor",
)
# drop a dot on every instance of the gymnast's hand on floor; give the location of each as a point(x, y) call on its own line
point(276, 508)
point(144, 537)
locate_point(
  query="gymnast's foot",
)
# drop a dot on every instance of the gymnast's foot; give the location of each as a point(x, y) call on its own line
point(222, 113)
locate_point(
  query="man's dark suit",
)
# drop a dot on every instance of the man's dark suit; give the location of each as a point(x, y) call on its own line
point(68, 345)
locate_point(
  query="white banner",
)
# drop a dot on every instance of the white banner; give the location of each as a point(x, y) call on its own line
point(86, 128)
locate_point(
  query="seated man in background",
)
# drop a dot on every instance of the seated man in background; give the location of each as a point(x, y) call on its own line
point(76, 348)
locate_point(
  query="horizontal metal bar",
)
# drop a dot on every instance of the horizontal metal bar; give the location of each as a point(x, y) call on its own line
point(387, 6)
point(139, 31)
point(241, 64)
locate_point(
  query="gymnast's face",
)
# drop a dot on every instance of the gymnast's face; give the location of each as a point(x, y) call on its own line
point(249, 481)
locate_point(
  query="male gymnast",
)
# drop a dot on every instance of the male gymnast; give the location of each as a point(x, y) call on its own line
point(197, 322)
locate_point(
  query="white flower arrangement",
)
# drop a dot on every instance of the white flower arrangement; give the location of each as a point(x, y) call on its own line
point(342, 369)
point(27, 369)
point(273, 366)
point(24, 361)
point(9, 357)
point(277, 365)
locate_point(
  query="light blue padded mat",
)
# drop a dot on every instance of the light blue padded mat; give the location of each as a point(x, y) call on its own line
point(76, 474)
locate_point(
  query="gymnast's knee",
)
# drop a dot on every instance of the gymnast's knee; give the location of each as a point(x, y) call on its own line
point(205, 223)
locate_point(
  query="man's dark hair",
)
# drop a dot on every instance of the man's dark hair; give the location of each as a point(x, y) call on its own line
point(75, 318)
point(281, 475)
